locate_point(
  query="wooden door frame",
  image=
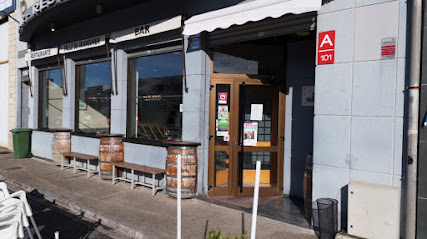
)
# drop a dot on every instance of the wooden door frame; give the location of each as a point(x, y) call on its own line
point(235, 80)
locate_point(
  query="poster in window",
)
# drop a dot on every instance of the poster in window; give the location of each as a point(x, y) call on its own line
point(222, 98)
point(222, 111)
point(250, 134)
point(307, 96)
point(82, 105)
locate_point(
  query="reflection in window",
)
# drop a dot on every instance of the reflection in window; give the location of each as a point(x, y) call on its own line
point(258, 57)
point(156, 95)
point(51, 97)
point(229, 64)
point(94, 98)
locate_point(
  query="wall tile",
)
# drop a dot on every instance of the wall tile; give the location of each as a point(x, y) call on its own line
point(370, 29)
point(328, 181)
point(41, 144)
point(336, 6)
point(397, 181)
point(195, 82)
point(116, 122)
point(331, 140)
point(374, 88)
point(400, 88)
point(361, 3)
point(191, 123)
point(343, 24)
point(401, 40)
point(85, 145)
point(370, 177)
point(372, 144)
point(333, 89)
point(194, 62)
point(192, 101)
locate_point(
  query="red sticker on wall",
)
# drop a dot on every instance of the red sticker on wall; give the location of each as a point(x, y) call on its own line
point(326, 48)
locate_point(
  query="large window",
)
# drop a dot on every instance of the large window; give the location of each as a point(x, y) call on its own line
point(156, 95)
point(94, 98)
point(51, 99)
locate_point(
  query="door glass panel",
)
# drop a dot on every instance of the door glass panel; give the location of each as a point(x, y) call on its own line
point(260, 95)
point(222, 115)
point(222, 161)
point(268, 176)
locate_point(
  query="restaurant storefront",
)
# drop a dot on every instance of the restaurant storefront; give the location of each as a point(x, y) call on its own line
point(241, 78)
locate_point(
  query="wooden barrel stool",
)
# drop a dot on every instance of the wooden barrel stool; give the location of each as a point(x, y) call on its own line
point(188, 152)
point(111, 149)
point(61, 144)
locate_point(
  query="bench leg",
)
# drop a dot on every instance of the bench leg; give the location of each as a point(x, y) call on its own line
point(74, 164)
point(154, 185)
point(143, 178)
point(114, 173)
point(131, 181)
point(62, 162)
point(99, 169)
point(87, 168)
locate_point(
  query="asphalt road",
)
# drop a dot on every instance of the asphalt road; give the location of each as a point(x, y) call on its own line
point(51, 218)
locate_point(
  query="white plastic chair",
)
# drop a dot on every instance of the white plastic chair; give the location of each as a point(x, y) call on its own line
point(6, 199)
point(14, 216)
point(9, 229)
point(20, 207)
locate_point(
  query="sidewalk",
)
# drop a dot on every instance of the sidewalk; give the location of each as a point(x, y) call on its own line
point(134, 213)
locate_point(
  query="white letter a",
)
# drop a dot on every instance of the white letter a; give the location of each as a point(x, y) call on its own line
point(326, 39)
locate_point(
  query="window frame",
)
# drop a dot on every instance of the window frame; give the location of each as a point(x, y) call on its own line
point(40, 98)
point(134, 56)
point(76, 130)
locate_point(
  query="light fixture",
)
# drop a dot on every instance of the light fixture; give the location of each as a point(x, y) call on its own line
point(302, 34)
point(52, 27)
point(4, 14)
point(99, 9)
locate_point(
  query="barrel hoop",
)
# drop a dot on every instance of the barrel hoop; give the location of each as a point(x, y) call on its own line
point(183, 164)
point(182, 154)
point(110, 152)
point(111, 143)
point(182, 147)
point(171, 176)
point(174, 187)
point(61, 140)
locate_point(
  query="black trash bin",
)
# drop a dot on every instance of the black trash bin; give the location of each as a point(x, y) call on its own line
point(325, 218)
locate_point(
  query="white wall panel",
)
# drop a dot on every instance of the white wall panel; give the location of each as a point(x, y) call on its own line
point(4, 116)
point(4, 42)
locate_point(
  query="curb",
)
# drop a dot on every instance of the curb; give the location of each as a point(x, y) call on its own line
point(127, 229)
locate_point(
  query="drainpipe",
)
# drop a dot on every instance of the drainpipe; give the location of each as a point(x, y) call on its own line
point(413, 113)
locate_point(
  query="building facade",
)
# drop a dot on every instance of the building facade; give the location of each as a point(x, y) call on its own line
point(248, 80)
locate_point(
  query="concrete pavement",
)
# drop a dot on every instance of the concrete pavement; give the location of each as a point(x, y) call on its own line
point(135, 213)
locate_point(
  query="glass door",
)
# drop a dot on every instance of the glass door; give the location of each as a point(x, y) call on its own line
point(244, 127)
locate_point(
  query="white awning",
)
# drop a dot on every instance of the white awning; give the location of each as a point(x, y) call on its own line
point(247, 11)
point(146, 30)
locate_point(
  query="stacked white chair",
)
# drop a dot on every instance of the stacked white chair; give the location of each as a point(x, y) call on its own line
point(9, 229)
point(15, 207)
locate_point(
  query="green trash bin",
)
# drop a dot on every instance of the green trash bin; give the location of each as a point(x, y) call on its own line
point(21, 142)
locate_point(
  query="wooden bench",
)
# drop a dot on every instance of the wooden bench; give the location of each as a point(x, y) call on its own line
point(139, 168)
point(75, 156)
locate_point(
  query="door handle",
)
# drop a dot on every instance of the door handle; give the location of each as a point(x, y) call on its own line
point(283, 138)
point(210, 137)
